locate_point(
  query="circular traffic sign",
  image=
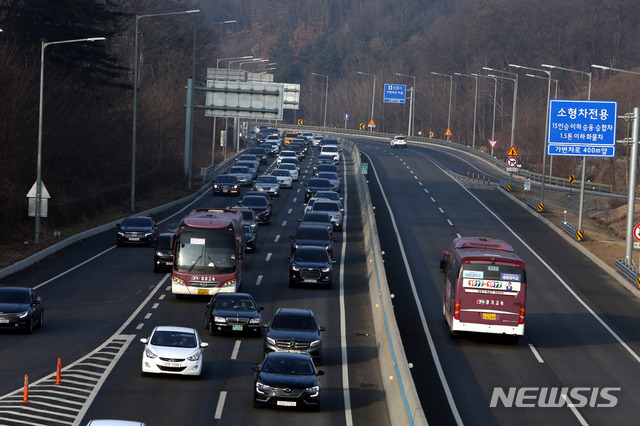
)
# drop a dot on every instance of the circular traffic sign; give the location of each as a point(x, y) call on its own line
point(512, 161)
point(636, 232)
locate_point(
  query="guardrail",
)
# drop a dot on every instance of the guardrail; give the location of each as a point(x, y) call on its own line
point(628, 272)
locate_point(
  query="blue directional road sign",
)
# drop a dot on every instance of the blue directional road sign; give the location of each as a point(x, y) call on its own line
point(582, 128)
point(395, 93)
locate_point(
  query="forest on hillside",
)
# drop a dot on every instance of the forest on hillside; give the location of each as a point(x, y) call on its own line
point(87, 96)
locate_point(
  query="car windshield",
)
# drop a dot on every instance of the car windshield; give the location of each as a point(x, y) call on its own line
point(325, 206)
point(243, 170)
point(248, 214)
point(311, 254)
point(316, 217)
point(312, 233)
point(267, 179)
point(329, 195)
point(248, 157)
point(288, 154)
point(294, 322)
point(235, 303)
point(330, 148)
point(319, 183)
point(180, 339)
point(164, 242)
point(247, 164)
point(137, 221)
point(288, 166)
point(281, 172)
point(14, 295)
point(288, 365)
point(328, 175)
point(327, 168)
point(254, 201)
point(226, 179)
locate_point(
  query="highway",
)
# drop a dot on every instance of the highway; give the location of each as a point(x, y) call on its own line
point(101, 299)
point(581, 324)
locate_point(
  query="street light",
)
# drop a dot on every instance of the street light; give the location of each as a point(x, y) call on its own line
point(554, 97)
point(373, 95)
point(475, 107)
point(241, 61)
point(495, 94)
point(39, 158)
point(135, 98)
point(633, 166)
point(515, 97)
point(450, 97)
point(228, 59)
point(326, 94)
point(252, 63)
point(412, 107)
point(584, 159)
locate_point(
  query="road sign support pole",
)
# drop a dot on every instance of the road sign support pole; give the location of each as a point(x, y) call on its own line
point(633, 162)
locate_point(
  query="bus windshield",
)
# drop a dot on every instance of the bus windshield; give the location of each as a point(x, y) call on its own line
point(205, 251)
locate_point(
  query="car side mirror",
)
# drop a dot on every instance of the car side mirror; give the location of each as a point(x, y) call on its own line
point(265, 325)
point(322, 328)
point(288, 259)
point(260, 308)
point(144, 340)
point(203, 344)
point(320, 373)
point(256, 368)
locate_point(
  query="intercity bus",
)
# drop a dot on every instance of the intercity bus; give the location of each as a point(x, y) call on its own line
point(484, 287)
point(208, 253)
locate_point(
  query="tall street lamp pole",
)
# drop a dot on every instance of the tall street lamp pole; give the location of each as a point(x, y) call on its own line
point(450, 98)
point(554, 97)
point(373, 94)
point(135, 98)
point(475, 107)
point(412, 107)
point(39, 158)
point(229, 59)
point(495, 94)
point(515, 97)
point(584, 159)
point(326, 94)
point(633, 167)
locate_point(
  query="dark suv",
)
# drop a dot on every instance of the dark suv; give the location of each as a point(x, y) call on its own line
point(294, 330)
point(314, 185)
point(163, 255)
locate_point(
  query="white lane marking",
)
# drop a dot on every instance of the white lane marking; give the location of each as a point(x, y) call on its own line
point(277, 238)
point(268, 258)
point(139, 326)
point(449, 222)
point(220, 406)
point(440, 208)
point(236, 348)
point(420, 183)
point(162, 296)
point(148, 316)
point(74, 268)
point(155, 306)
point(289, 211)
point(259, 280)
point(575, 412)
point(295, 199)
point(433, 199)
point(536, 354)
point(284, 223)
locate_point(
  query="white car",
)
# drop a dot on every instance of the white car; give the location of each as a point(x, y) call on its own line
point(331, 150)
point(268, 184)
point(284, 177)
point(285, 154)
point(274, 138)
point(173, 350)
point(293, 170)
point(398, 142)
point(316, 140)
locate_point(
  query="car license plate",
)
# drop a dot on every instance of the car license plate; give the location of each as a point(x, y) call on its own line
point(4, 321)
point(171, 364)
point(134, 239)
point(225, 190)
point(307, 280)
point(203, 291)
point(237, 327)
point(168, 263)
point(287, 403)
point(490, 317)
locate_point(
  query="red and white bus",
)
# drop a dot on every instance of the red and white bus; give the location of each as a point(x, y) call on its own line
point(208, 253)
point(485, 287)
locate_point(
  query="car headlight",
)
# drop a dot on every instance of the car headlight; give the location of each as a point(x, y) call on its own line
point(195, 356)
point(326, 269)
point(219, 319)
point(295, 268)
point(176, 281)
point(313, 390)
point(255, 320)
point(215, 186)
point(150, 354)
point(120, 234)
point(262, 388)
point(22, 314)
point(270, 340)
point(315, 343)
point(230, 283)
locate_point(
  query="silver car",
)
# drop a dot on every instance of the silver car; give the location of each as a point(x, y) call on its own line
point(268, 184)
point(242, 173)
point(332, 208)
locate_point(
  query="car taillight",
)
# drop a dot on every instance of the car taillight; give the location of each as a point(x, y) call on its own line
point(521, 315)
point(456, 310)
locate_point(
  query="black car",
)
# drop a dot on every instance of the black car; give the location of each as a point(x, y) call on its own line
point(225, 184)
point(163, 256)
point(20, 308)
point(260, 194)
point(312, 235)
point(259, 152)
point(250, 237)
point(287, 379)
point(233, 312)
point(260, 207)
point(325, 168)
point(318, 218)
point(311, 265)
point(294, 330)
point(137, 230)
point(314, 185)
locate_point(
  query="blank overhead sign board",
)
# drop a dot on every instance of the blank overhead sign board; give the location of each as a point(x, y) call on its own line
point(249, 100)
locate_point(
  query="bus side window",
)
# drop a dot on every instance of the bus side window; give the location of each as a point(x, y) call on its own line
point(443, 262)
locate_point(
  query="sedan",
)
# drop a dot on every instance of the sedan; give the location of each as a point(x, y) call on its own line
point(330, 195)
point(293, 169)
point(284, 178)
point(253, 170)
point(173, 350)
point(137, 230)
point(318, 218)
point(233, 312)
point(260, 207)
point(268, 184)
point(287, 380)
point(294, 330)
point(310, 265)
point(20, 308)
point(250, 237)
point(333, 178)
point(225, 184)
point(242, 173)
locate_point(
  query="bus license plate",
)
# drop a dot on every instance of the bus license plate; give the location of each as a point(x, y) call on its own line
point(489, 317)
point(287, 403)
point(203, 291)
point(236, 327)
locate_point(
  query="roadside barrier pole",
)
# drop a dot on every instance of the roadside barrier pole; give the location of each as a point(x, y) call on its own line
point(25, 398)
point(58, 371)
